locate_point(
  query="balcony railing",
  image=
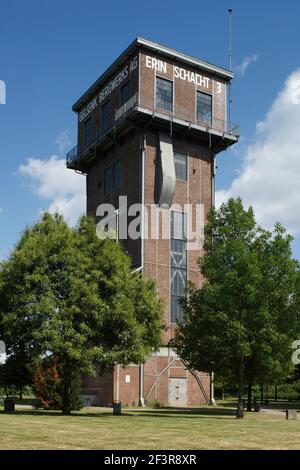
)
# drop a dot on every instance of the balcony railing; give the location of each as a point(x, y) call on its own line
point(148, 104)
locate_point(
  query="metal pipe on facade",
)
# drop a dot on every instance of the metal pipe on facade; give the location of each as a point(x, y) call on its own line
point(143, 147)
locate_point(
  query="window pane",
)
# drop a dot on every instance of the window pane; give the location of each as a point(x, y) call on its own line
point(178, 282)
point(88, 132)
point(180, 166)
point(117, 175)
point(178, 225)
point(178, 253)
point(164, 94)
point(125, 93)
point(108, 180)
point(176, 309)
point(105, 116)
point(204, 107)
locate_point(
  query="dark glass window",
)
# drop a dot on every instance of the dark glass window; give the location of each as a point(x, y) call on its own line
point(88, 132)
point(108, 180)
point(164, 94)
point(180, 166)
point(178, 264)
point(124, 93)
point(105, 116)
point(117, 174)
point(113, 177)
point(204, 107)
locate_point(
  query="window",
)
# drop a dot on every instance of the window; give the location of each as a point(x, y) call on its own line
point(88, 132)
point(113, 177)
point(178, 225)
point(105, 116)
point(204, 107)
point(117, 174)
point(125, 93)
point(108, 180)
point(180, 166)
point(164, 94)
point(178, 264)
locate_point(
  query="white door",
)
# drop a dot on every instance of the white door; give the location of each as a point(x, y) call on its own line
point(177, 392)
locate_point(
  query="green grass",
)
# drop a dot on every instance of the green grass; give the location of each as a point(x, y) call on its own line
point(97, 428)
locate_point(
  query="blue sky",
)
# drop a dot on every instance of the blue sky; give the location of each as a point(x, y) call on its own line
point(51, 51)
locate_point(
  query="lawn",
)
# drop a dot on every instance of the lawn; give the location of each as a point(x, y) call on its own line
point(97, 428)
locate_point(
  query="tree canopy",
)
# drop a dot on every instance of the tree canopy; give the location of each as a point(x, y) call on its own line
point(241, 322)
point(66, 292)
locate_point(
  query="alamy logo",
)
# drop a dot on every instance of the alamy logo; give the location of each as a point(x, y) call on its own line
point(138, 221)
point(2, 92)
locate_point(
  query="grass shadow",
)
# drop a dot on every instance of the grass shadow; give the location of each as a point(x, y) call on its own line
point(189, 413)
point(220, 412)
point(281, 406)
point(51, 413)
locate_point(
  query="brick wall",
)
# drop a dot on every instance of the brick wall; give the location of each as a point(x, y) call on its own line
point(198, 189)
point(100, 387)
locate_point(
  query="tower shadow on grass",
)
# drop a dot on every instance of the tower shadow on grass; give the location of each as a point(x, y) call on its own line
point(219, 412)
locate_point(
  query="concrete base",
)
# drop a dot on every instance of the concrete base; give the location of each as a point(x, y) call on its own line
point(142, 402)
point(291, 414)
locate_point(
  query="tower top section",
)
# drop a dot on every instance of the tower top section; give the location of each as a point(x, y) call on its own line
point(140, 43)
point(152, 86)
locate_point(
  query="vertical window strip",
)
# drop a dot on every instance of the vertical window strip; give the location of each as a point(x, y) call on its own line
point(178, 263)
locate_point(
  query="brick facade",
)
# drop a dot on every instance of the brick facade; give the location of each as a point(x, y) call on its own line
point(133, 137)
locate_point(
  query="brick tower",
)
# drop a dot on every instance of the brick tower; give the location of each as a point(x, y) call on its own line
point(149, 129)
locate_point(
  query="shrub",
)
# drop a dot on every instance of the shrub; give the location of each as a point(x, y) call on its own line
point(155, 404)
point(47, 385)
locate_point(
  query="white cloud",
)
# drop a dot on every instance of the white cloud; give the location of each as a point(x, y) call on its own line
point(270, 175)
point(63, 189)
point(63, 140)
point(242, 67)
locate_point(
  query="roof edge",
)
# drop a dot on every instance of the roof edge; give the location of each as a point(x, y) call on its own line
point(225, 73)
point(140, 42)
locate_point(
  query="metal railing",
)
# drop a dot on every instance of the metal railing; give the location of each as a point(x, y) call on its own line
point(189, 116)
point(147, 103)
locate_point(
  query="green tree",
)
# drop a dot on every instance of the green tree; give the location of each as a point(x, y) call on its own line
point(66, 292)
point(243, 319)
point(17, 372)
point(47, 384)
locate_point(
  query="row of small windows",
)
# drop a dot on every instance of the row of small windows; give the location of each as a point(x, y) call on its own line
point(105, 112)
point(113, 174)
point(164, 100)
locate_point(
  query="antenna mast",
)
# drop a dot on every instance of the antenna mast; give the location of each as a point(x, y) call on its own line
point(230, 62)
